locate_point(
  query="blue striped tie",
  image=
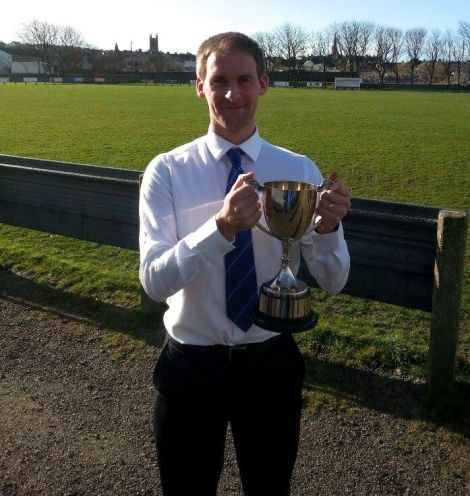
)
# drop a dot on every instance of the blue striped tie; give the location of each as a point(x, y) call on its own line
point(241, 288)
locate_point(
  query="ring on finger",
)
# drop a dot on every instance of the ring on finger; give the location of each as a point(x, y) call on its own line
point(331, 205)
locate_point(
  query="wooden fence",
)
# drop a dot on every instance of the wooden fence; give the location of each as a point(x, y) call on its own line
point(407, 255)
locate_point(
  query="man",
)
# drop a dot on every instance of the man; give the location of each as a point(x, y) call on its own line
point(217, 368)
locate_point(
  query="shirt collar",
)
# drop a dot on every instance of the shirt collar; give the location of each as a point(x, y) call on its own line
point(219, 146)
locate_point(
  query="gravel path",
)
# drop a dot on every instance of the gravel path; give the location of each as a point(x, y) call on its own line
point(75, 420)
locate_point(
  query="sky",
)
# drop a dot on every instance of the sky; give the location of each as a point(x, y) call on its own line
point(182, 25)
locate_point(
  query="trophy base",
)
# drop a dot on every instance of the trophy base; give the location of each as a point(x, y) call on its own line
point(286, 326)
point(286, 312)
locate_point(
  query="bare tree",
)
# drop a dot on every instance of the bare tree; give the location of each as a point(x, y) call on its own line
point(60, 48)
point(464, 31)
point(69, 50)
point(321, 42)
point(433, 51)
point(397, 48)
point(414, 42)
point(43, 38)
point(353, 39)
point(365, 37)
point(464, 37)
point(461, 43)
point(448, 53)
point(268, 44)
point(383, 38)
point(292, 42)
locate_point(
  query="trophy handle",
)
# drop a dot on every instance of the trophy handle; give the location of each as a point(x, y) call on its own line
point(326, 183)
point(267, 231)
point(316, 223)
point(317, 219)
point(260, 187)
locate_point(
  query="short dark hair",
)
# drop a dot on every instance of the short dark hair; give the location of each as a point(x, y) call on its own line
point(229, 42)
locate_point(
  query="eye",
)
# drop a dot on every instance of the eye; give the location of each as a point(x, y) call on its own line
point(245, 80)
point(218, 82)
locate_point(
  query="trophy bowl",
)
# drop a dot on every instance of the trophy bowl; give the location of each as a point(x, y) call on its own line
point(284, 302)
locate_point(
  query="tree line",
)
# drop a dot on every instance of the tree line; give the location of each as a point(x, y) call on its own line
point(350, 46)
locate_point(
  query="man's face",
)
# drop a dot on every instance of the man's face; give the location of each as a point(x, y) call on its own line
point(231, 88)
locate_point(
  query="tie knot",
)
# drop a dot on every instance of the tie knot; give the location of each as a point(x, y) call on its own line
point(235, 156)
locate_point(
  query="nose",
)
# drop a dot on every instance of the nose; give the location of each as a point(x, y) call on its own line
point(232, 92)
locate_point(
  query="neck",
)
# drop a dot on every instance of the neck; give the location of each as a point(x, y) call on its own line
point(236, 138)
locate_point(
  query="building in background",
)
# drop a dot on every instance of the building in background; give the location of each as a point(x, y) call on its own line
point(5, 63)
point(23, 64)
point(11, 64)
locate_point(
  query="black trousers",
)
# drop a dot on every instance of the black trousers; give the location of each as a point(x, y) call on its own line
point(200, 389)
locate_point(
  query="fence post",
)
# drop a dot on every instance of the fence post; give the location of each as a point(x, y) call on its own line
point(447, 292)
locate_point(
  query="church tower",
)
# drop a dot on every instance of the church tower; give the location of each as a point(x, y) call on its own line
point(334, 48)
point(154, 43)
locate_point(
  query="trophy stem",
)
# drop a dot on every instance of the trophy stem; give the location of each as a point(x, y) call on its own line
point(285, 258)
point(285, 280)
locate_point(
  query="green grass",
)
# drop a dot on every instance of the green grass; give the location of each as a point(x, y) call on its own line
point(401, 146)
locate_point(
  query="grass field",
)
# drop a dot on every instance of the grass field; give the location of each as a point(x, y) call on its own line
point(402, 146)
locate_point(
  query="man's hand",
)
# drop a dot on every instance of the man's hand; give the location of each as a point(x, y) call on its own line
point(241, 209)
point(335, 202)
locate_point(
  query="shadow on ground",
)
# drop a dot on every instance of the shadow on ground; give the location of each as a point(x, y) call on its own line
point(395, 396)
point(147, 327)
point(399, 397)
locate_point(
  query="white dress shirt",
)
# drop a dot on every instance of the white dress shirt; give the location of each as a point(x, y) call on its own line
point(182, 251)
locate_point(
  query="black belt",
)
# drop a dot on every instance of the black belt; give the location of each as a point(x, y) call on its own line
point(260, 347)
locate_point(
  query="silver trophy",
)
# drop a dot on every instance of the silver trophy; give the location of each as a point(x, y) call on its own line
point(289, 211)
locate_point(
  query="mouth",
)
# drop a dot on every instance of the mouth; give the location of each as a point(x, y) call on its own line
point(232, 108)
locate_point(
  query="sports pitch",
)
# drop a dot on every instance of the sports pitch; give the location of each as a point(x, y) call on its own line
point(403, 146)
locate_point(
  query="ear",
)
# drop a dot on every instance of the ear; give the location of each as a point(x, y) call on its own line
point(200, 88)
point(263, 84)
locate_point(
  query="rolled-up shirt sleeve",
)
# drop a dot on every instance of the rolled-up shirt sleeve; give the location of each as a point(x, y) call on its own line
point(167, 263)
